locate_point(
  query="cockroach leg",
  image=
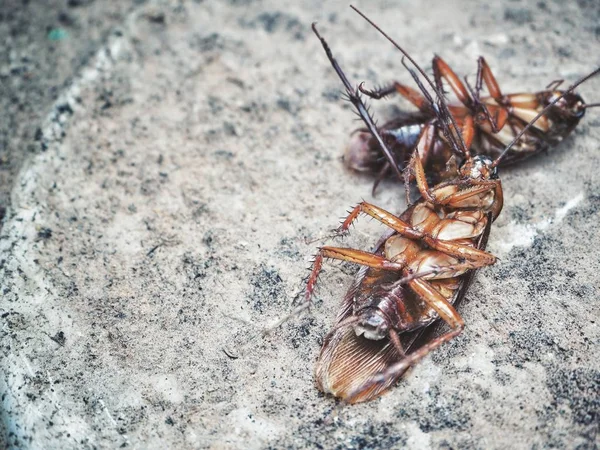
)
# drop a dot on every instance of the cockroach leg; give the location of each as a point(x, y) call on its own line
point(381, 215)
point(349, 255)
point(355, 99)
point(442, 71)
point(393, 334)
point(413, 96)
point(377, 93)
point(474, 258)
point(446, 312)
point(485, 73)
point(415, 166)
point(380, 177)
point(554, 84)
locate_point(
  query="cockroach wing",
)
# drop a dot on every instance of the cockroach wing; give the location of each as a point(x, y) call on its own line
point(347, 361)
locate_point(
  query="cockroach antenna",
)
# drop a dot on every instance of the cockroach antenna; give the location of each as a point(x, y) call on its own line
point(355, 99)
point(543, 111)
point(414, 63)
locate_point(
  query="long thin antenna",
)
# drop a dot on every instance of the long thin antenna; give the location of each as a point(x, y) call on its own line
point(435, 89)
point(355, 99)
point(542, 112)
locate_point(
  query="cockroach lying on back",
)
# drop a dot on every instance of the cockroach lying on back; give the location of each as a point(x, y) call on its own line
point(498, 118)
point(418, 272)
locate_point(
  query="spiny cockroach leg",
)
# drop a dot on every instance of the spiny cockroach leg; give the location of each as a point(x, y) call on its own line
point(446, 312)
point(345, 254)
point(380, 215)
point(478, 257)
point(378, 93)
point(413, 96)
point(472, 259)
point(415, 167)
point(355, 99)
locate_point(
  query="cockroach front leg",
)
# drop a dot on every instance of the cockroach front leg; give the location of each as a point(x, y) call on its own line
point(416, 169)
point(349, 255)
point(446, 312)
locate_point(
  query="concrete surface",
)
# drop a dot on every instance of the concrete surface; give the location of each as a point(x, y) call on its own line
point(157, 221)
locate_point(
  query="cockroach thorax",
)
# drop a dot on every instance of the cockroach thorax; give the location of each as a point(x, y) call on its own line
point(479, 167)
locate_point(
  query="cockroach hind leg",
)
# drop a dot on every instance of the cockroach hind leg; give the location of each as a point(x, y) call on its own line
point(301, 308)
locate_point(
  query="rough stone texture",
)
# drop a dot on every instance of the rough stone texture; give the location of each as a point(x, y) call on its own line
point(158, 221)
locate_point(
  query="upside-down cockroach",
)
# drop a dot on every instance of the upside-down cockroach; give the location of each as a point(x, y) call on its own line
point(498, 119)
point(418, 272)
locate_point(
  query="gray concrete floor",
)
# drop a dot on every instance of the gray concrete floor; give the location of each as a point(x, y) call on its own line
point(163, 163)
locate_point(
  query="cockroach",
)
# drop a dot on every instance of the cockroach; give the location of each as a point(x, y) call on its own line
point(498, 119)
point(418, 272)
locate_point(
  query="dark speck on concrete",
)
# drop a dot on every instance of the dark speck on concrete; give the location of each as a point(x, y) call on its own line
point(300, 333)
point(443, 412)
point(331, 95)
point(381, 435)
point(275, 21)
point(267, 288)
point(565, 52)
point(520, 16)
point(224, 154)
point(289, 248)
point(288, 106)
point(211, 42)
point(59, 338)
point(530, 345)
point(44, 233)
point(576, 394)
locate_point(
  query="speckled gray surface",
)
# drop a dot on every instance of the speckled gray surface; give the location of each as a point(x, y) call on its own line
point(158, 219)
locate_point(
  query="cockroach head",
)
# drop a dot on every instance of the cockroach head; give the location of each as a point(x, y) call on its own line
point(569, 105)
point(373, 326)
point(479, 167)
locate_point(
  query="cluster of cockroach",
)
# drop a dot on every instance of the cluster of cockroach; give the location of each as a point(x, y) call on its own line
point(420, 270)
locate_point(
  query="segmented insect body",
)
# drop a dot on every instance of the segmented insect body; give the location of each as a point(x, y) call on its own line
point(421, 270)
point(357, 355)
point(498, 119)
point(415, 276)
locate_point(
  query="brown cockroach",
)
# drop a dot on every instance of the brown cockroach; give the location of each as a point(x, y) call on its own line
point(498, 119)
point(419, 271)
